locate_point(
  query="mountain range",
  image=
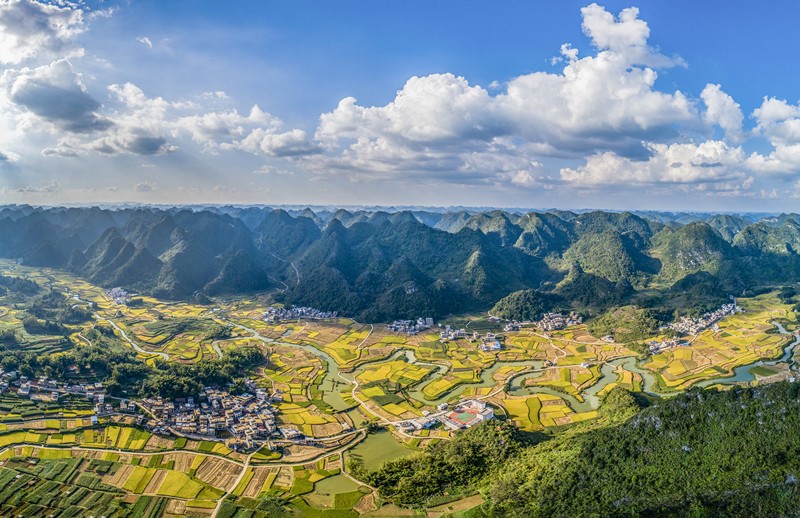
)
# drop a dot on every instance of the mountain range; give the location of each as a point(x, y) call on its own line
point(378, 265)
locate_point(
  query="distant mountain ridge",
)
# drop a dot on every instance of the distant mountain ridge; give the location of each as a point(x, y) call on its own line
point(378, 265)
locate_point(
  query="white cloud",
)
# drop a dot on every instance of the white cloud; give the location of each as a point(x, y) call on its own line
point(439, 107)
point(438, 128)
point(292, 143)
point(63, 149)
point(779, 122)
point(32, 29)
point(605, 102)
point(272, 170)
point(56, 94)
point(704, 165)
point(723, 111)
point(215, 128)
point(626, 35)
point(8, 157)
point(48, 188)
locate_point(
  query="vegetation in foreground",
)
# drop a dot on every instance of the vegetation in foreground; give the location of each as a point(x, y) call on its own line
point(702, 453)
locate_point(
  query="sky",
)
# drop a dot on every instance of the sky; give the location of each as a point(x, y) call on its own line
point(664, 104)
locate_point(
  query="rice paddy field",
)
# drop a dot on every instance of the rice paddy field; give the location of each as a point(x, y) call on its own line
point(77, 481)
point(540, 411)
point(742, 339)
point(69, 465)
point(572, 380)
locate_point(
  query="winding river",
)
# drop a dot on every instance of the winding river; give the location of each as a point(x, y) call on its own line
point(743, 374)
point(589, 400)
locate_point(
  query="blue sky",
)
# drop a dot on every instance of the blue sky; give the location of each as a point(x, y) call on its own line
point(664, 104)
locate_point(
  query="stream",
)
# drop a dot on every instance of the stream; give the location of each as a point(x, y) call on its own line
point(122, 333)
point(334, 379)
point(743, 374)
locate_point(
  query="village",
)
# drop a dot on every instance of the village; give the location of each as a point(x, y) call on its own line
point(275, 314)
point(50, 390)
point(693, 326)
point(556, 321)
point(411, 327)
point(118, 295)
point(245, 420)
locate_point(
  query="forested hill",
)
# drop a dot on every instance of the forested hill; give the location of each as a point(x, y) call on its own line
point(379, 265)
point(701, 453)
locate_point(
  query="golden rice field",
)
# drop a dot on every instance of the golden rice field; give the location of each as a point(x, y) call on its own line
point(571, 380)
point(541, 411)
point(626, 379)
point(742, 339)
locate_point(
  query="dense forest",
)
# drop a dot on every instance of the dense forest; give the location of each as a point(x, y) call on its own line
point(701, 453)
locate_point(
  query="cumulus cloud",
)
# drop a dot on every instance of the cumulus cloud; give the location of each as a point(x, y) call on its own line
point(63, 149)
point(272, 170)
point(625, 34)
point(779, 122)
point(292, 143)
point(723, 111)
point(705, 164)
point(49, 188)
point(56, 94)
point(604, 105)
point(214, 128)
point(8, 157)
point(137, 125)
point(32, 29)
point(604, 102)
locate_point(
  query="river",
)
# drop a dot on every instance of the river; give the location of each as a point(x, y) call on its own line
point(743, 374)
point(589, 400)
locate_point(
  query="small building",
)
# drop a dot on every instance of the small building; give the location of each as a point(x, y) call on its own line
point(467, 414)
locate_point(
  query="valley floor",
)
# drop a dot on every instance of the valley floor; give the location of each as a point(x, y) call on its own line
point(333, 382)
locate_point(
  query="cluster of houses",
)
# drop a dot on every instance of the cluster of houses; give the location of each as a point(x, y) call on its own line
point(465, 414)
point(512, 326)
point(655, 346)
point(50, 390)
point(555, 321)
point(46, 388)
point(245, 419)
point(274, 314)
point(490, 342)
point(693, 326)
point(118, 295)
point(411, 327)
point(448, 333)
